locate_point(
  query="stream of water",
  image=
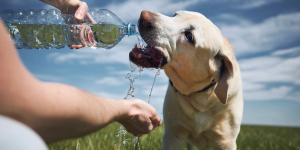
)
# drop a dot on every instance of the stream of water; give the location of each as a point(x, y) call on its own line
point(132, 78)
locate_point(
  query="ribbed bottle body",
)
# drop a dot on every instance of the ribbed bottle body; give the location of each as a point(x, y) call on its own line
point(51, 29)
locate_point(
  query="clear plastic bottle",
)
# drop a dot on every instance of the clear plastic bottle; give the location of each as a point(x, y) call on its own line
point(51, 29)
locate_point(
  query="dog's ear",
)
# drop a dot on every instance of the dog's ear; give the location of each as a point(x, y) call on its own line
point(227, 72)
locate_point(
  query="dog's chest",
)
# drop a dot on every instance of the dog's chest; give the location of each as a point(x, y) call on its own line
point(197, 107)
point(197, 112)
point(193, 116)
point(199, 123)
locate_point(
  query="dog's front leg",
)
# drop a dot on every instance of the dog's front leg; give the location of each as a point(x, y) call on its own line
point(225, 145)
point(173, 141)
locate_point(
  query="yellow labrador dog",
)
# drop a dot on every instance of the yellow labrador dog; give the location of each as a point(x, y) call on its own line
point(203, 105)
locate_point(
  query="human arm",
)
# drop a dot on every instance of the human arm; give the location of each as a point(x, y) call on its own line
point(57, 111)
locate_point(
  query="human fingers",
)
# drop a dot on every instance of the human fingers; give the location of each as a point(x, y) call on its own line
point(144, 124)
point(134, 127)
point(79, 46)
point(149, 115)
point(76, 46)
point(90, 18)
point(156, 120)
point(81, 10)
point(134, 132)
point(139, 124)
point(71, 46)
point(138, 129)
point(154, 117)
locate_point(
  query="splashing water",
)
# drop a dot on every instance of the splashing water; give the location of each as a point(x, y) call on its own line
point(132, 80)
point(141, 41)
point(122, 131)
point(157, 73)
point(130, 91)
point(135, 141)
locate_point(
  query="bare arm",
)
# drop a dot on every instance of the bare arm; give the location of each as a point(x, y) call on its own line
point(58, 111)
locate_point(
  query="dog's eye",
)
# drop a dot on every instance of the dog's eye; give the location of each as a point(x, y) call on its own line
point(175, 14)
point(189, 37)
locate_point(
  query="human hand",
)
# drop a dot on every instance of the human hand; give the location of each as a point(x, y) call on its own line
point(70, 7)
point(79, 9)
point(76, 7)
point(141, 118)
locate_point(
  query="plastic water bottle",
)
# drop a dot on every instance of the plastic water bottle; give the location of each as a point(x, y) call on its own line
point(51, 29)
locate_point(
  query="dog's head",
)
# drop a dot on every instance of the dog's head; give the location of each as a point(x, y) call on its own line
point(190, 48)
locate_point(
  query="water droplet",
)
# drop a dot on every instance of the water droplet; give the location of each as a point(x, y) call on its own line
point(157, 73)
point(115, 143)
point(135, 141)
point(132, 79)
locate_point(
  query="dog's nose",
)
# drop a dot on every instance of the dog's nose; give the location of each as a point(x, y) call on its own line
point(146, 18)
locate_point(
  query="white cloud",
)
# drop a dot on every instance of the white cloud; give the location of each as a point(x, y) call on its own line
point(294, 97)
point(109, 95)
point(252, 86)
point(260, 72)
point(250, 4)
point(278, 93)
point(253, 4)
point(271, 69)
point(158, 90)
point(264, 62)
point(293, 50)
point(59, 57)
point(247, 37)
point(131, 9)
point(111, 81)
point(225, 18)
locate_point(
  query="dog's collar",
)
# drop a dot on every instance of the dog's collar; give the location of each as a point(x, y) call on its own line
point(212, 83)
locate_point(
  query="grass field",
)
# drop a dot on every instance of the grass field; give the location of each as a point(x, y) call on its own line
point(250, 138)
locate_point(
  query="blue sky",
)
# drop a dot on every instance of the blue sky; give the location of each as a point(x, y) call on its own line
point(264, 34)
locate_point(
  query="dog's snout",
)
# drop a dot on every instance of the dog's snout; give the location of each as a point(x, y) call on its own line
point(146, 19)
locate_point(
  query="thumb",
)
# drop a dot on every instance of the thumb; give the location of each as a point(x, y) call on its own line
point(81, 10)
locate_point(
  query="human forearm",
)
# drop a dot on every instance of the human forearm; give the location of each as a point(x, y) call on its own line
point(70, 112)
point(58, 111)
point(84, 112)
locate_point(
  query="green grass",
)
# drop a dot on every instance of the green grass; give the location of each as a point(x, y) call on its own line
point(250, 138)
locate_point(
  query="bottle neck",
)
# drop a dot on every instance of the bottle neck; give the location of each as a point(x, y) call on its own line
point(131, 29)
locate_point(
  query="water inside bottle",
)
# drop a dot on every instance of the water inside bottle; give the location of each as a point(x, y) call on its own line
point(28, 36)
point(107, 35)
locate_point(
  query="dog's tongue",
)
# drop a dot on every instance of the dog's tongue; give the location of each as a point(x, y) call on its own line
point(149, 53)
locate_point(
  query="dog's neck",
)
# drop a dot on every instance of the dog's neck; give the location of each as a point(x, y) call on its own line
point(212, 83)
